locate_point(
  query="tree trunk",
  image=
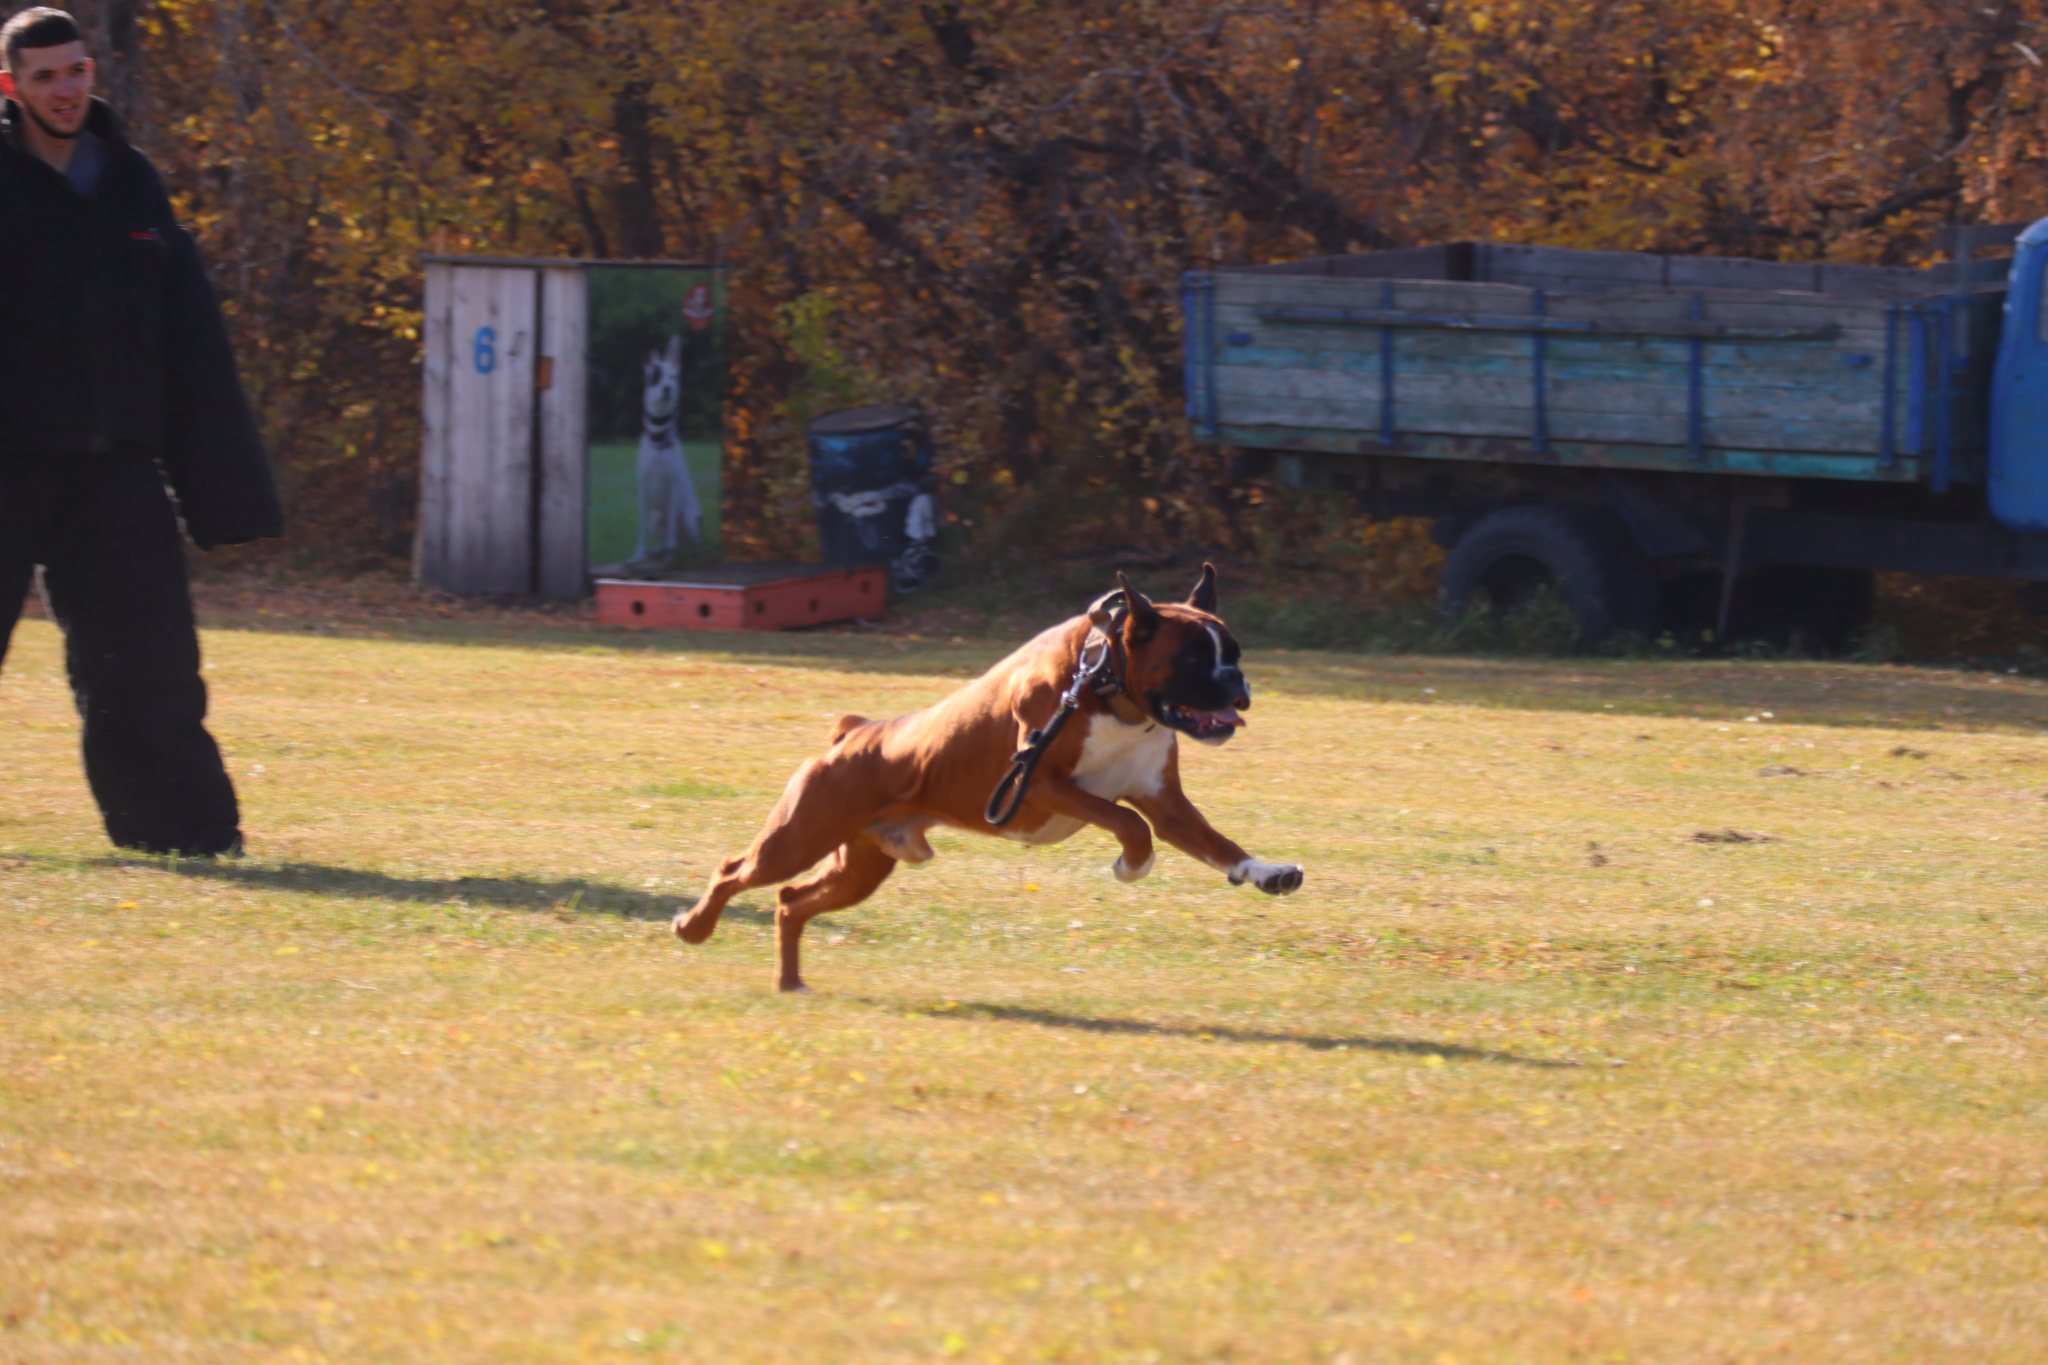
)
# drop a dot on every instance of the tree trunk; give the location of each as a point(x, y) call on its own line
point(114, 41)
point(633, 202)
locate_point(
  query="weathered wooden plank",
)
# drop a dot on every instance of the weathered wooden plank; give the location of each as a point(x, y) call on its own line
point(1554, 266)
point(1267, 291)
point(563, 452)
point(1621, 309)
point(1482, 408)
point(430, 535)
point(1874, 281)
point(1715, 459)
point(1515, 394)
point(1739, 307)
point(1571, 270)
point(1787, 366)
point(1621, 304)
point(1482, 390)
point(1856, 320)
point(1718, 401)
point(1790, 367)
point(1363, 417)
point(1783, 387)
point(1421, 262)
point(1856, 334)
point(1761, 356)
point(491, 409)
point(1724, 272)
point(1467, 418)
point(1631, 354)
point(1762, 433)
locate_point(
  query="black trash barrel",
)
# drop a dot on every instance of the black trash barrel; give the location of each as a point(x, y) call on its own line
point(872, 482)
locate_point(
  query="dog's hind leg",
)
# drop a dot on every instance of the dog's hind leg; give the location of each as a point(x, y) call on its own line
point(777, 855)
point(850, 878)
point(814, 815)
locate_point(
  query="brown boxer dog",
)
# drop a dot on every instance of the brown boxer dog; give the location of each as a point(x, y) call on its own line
point(1151, 674)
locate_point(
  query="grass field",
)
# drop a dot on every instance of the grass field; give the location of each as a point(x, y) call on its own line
point(1543, 1064)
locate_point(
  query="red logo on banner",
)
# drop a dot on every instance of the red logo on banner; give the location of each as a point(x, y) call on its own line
point(697, 307)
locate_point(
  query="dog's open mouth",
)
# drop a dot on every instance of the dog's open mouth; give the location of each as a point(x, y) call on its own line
point(1188, 720)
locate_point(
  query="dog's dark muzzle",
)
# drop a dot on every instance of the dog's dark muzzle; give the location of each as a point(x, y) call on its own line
point(1231, 683)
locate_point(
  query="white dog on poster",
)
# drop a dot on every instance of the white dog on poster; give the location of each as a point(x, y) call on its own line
point(668, 496)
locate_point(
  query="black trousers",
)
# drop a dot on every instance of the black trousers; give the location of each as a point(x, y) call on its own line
point(114, 572)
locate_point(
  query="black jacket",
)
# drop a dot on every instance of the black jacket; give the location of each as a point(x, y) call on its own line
point(111, 338)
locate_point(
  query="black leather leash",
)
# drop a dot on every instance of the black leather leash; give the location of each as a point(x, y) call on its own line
point(1103, 675)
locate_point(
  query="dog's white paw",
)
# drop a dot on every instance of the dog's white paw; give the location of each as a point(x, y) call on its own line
point(1126, 873)
point(1275, 879)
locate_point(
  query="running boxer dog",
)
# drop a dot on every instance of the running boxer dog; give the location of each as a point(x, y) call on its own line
point(1132, 676)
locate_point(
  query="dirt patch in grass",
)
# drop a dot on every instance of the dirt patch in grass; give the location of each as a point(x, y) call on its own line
point(426, 1077)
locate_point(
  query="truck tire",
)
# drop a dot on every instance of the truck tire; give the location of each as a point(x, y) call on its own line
point(1584, 554)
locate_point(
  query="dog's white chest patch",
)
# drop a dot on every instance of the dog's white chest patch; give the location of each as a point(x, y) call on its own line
point(1119, 760)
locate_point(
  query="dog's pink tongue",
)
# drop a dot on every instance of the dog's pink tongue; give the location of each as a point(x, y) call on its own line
point(1228, 715)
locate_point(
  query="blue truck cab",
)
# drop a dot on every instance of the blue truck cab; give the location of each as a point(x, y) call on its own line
point(2018, 476)
point(1700, 445)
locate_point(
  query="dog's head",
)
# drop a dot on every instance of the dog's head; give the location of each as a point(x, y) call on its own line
point(662, 381)
point(1181, 661)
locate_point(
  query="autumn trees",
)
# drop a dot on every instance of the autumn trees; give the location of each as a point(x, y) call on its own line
point(985, 207)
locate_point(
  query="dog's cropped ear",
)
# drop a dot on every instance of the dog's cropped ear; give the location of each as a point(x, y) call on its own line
point(675, 347)
point(1142, 619)
point(1104, 607)
point(1203, 598)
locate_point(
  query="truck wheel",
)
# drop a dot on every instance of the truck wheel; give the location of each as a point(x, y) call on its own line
point(1581, 553)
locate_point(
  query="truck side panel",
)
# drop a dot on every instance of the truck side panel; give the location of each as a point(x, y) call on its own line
point(1736, 380)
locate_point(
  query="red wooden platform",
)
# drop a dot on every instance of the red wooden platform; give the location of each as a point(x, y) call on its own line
point(745, 597)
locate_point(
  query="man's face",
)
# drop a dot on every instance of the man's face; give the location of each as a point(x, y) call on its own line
point(54, 84)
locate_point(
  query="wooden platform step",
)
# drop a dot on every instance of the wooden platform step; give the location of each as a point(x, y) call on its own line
point(745, 597)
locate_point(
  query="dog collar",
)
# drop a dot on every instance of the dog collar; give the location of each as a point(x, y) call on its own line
point(1103, 677)
point(1105, 638)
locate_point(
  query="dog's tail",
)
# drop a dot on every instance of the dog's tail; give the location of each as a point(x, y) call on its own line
point(843, 727)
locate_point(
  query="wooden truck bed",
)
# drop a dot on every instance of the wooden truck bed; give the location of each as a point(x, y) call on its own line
point(1601, 359)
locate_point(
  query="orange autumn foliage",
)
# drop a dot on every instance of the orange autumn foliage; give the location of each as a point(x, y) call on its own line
point(983, 206)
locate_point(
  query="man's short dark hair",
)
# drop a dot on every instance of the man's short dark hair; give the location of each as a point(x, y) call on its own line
point(38, 27)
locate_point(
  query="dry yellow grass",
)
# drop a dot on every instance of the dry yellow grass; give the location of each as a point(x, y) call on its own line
point(1525, 1073)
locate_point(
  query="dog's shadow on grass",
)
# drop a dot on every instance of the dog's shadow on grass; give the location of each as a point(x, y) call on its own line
point(1318, 1042)
point(568, 895)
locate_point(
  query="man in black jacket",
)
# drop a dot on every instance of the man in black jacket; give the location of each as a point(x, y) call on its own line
point(115, 375)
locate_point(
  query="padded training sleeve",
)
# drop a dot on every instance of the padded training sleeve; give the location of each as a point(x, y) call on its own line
point(212, 451)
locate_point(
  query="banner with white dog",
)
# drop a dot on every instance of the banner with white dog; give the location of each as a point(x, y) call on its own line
point(656, 370)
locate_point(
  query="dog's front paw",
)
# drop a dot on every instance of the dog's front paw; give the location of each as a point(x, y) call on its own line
point(1275, 879)
point(1126, 873)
